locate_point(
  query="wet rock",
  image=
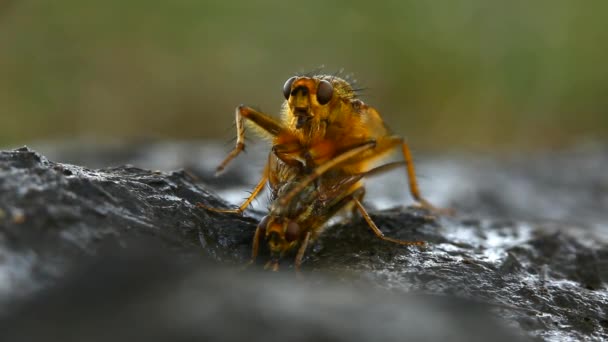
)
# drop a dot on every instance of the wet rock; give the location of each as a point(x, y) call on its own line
point(54, 214)
point(543, 278)
point(126, 298)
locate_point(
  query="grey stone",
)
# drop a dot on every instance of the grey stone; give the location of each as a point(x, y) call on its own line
point(501, 273)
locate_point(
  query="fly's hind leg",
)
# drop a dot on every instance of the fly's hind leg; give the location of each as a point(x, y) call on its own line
point(358, 197)
point(379, 147)
point(386, 144)
point(377, 231)
point(265, 122)
point(360, 193)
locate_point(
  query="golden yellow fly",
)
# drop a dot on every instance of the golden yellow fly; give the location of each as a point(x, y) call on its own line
point(322, 147)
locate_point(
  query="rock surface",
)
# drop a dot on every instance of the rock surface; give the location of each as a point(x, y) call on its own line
point(541, 270)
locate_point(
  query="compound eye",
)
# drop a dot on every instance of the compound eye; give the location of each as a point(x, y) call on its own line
point(264, 223)
point(287, 87)
point(324, 92)
point(292, 232)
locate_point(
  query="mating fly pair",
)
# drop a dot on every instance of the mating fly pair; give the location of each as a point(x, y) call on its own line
point(322, 147)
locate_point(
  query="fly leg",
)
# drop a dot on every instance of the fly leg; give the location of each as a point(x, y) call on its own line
point(358, 195)
point(323, 168)
point(301, 251)
point(382, 146)
point(359, 198)
point(377, 231)
point(375, 171)
point(256, 246)
point(354, 198)
point(266, 123)
point(254, 193)
point(388, 143)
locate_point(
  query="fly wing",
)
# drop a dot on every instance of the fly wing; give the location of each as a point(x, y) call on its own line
point(332, 189)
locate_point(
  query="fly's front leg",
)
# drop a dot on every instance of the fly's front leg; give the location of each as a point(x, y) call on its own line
point(256, 246)
point(301, 251)
point(254, 193)
point(266, 123)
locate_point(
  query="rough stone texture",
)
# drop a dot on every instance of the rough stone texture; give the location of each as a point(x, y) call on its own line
point(540, 269)
point(52, 214)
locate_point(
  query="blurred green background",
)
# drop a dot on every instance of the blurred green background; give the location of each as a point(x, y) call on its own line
point(478, 74)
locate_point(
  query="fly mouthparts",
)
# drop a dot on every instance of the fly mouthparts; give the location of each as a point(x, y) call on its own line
point(302, 119)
